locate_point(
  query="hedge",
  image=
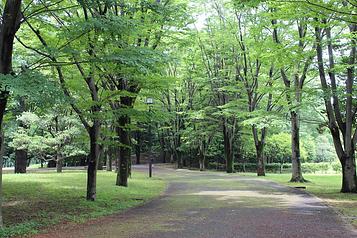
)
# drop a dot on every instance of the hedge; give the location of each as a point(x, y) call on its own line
point(280, 168)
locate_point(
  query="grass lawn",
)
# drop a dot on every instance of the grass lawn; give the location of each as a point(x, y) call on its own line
point(326, 187)
point(35, 201)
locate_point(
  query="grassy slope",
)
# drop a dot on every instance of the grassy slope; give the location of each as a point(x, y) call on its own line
point(328, 188)
point(34, 201)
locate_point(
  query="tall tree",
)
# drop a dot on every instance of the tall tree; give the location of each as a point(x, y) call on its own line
point(339, 91)
point(295, 78)
point(9, 25)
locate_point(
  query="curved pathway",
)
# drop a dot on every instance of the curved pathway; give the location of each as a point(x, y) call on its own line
point(218, 205)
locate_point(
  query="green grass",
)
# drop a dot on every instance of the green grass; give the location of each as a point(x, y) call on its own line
point(326, 187)
point(35, 201)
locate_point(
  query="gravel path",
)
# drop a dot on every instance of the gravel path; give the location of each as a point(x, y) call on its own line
point(218, 205)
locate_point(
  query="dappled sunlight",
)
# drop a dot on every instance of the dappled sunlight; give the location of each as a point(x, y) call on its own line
point(279, 199)
point(13, 203)
point(341, 201)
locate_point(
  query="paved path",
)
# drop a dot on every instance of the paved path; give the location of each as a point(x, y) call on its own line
point(218, 205)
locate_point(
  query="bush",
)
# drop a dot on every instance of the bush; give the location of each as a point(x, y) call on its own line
point(216, 166)
point(315, 167)
point(336, 166)
point(270, 168)
point(278, 168)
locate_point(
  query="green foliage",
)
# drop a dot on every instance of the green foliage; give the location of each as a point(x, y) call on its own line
point(48, 136)
point(336, 166)
point(315, 167)
point(270, 168)
point(34, 86)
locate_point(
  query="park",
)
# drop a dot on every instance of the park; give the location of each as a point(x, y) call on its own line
point(177, 118)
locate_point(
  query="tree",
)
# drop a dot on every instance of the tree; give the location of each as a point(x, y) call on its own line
point(338, 95)
point(9, 25)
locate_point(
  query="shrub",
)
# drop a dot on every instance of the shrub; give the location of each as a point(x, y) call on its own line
point(270, 168)
point(315, 167)
point(336, 166)
point(216, 166)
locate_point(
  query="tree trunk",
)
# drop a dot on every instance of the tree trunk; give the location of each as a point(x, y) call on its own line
point(260, 160)
point(117, 158)
point(124, 137)
point(184, 160)
point(202, 162)
point(349, 180)
point(20, 161)
point(163, 156)
point(228, 150)
point(137, 153)
point(179, 159)
point(59, 165)
point(92, 162)
point(51, 164)
point(1, 165)
point(259, 149)
point(101, 157)
point(10, 23)
point(109, 155)
point(162, 149)
point(295, 144)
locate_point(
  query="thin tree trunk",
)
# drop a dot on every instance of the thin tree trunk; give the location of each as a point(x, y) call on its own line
point(202, 162)
point(162, 149)
point(101, 157)
point(1, 165)
point(20, 161)
point(138, 150)
point(59, 165)
point(259, 149)
point(295, 144)
point(109, 154)
point(179, 159)
point(163, 156)
point(260, 160)
point(228, 150)
point(117, 158)
point(92, 162)
point(124, 137)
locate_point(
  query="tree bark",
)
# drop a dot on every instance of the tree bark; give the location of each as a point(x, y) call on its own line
point(228, 149)
point(260, 160)
point(162, 149)
point(20, 161)
point(295, 145)
point(179, 160)
point(349, 178)
point(202, 162)
point(109, 155)
point(101, 157)
point(1, 165)
point(59, 165)
point(92, 161)
point(259, 149)
point(138, 147)
point(125, 151)
point(9, 25)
